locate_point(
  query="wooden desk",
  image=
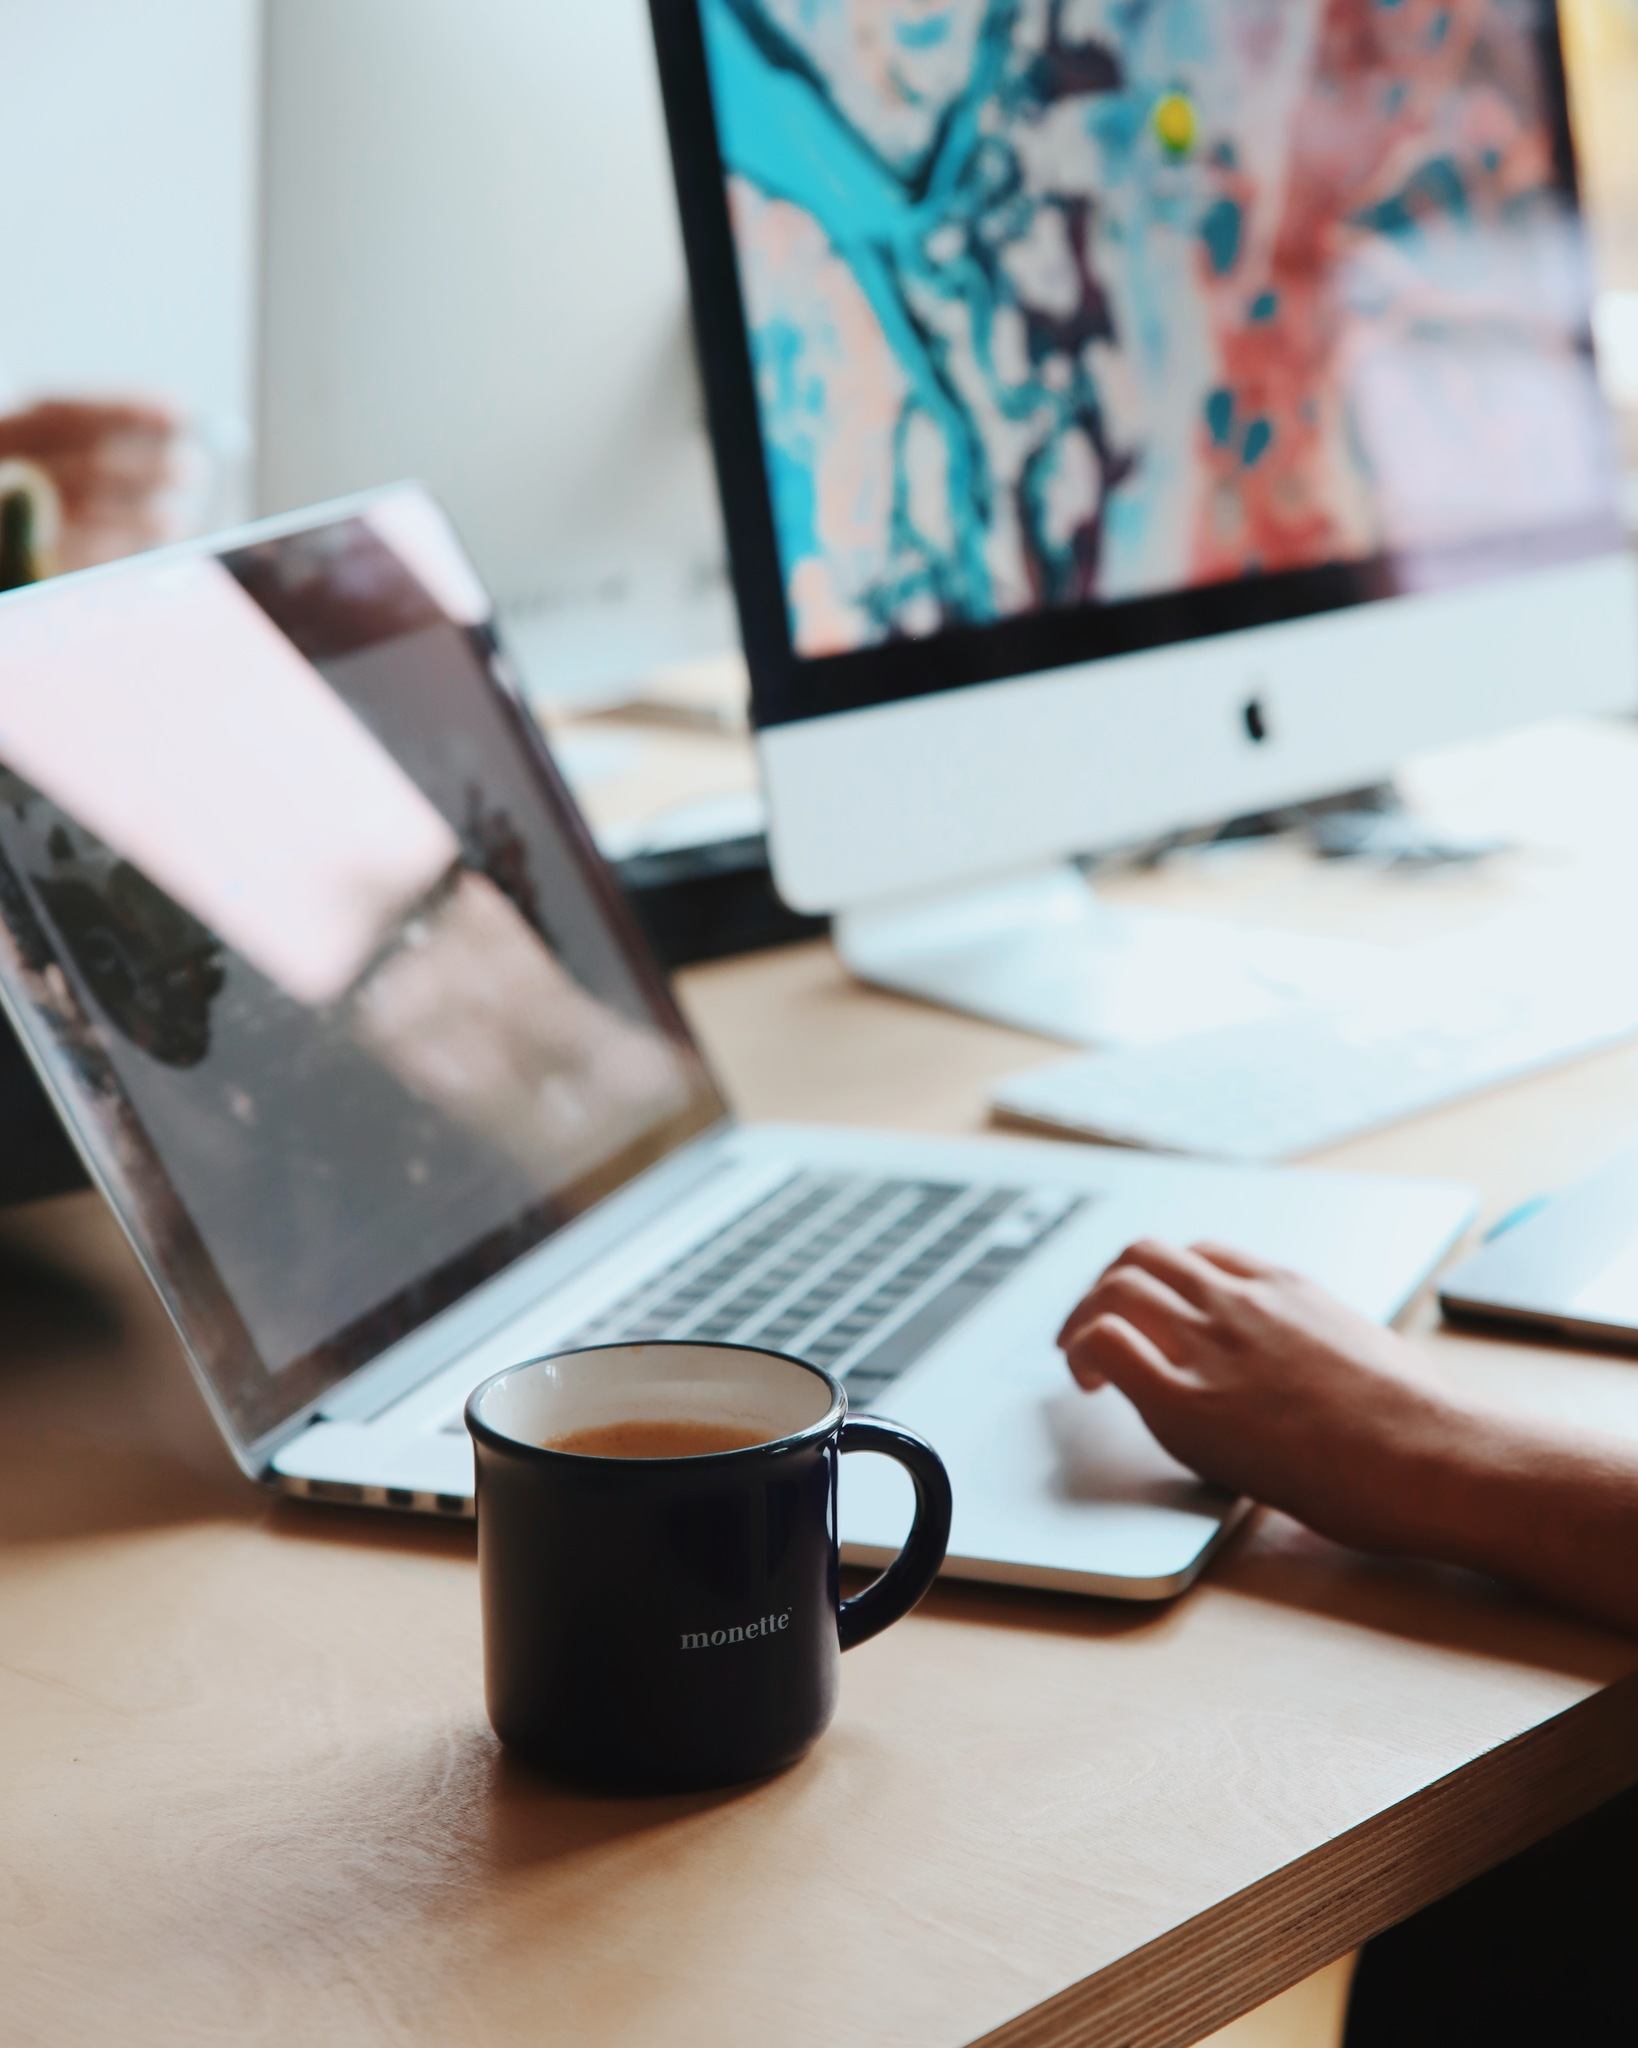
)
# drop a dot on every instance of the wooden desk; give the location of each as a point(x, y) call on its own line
point(248, 1792)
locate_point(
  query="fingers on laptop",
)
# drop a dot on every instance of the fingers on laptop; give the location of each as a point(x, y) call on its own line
point(1186, 1272)
point(1187, 1275)
point(1149, 1307)
point(1111, 1351)
point(1146, 1308)
point(1243, 1265)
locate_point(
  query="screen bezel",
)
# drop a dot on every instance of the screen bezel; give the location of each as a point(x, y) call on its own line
point(256, 1405)
point(787, 687)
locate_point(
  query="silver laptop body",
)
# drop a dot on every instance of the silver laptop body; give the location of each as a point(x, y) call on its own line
point(305, 936)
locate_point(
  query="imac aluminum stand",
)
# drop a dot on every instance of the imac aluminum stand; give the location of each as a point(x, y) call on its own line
point(1040, 952)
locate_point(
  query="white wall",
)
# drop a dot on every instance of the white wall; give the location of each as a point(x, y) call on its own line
point(428, 237)
point(474, 275)
point(128, 142)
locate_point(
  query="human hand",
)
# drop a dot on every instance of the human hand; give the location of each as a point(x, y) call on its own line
point(111, 463)
point(1263, 1383)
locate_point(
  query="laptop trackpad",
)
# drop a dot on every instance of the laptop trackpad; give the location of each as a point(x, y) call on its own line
point(1098, 1458)
point(1051, 1486)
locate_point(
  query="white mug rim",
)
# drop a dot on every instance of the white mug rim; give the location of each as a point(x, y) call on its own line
point(492, 1436)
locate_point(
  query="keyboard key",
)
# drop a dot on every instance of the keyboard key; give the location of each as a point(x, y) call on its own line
point(794, 1249)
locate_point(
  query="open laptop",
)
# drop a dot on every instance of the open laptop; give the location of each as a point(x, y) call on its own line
point(331, 987)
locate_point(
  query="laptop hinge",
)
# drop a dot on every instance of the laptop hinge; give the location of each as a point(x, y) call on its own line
point(465, 1323)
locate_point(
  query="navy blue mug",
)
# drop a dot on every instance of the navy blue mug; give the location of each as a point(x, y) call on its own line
point(673, 1619)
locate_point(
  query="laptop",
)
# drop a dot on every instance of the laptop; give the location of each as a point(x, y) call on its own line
point(343, 1010)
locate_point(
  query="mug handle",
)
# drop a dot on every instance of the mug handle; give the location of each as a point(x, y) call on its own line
point(889, 1598)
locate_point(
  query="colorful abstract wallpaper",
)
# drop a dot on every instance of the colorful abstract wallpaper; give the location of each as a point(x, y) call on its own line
point(1067, 302)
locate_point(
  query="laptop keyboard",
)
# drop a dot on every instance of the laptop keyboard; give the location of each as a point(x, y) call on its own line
point(856, 1274)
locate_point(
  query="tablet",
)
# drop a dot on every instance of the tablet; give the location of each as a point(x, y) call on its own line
point(1568, 1267)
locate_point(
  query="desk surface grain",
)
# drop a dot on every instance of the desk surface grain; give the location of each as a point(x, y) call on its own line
point(247, 1791)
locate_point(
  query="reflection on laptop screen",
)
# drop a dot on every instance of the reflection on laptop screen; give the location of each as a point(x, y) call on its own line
point(309, 938)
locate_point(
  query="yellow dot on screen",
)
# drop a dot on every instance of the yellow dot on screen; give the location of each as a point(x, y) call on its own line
point(1174, 123)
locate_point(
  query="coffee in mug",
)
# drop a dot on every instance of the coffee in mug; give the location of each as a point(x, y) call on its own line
point(658, 1562)
point(644, 1436)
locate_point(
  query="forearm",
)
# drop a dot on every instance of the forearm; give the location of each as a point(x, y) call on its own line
point(1550, 1510)
point(1266, 1385)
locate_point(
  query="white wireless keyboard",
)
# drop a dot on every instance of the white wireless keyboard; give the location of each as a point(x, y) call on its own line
point(1311, 1077)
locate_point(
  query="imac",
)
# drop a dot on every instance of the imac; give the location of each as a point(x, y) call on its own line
point(1127, 417)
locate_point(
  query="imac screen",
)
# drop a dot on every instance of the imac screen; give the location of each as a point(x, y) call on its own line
point(1070, 304)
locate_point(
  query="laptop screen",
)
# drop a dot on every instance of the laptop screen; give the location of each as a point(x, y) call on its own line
point(310, 943)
